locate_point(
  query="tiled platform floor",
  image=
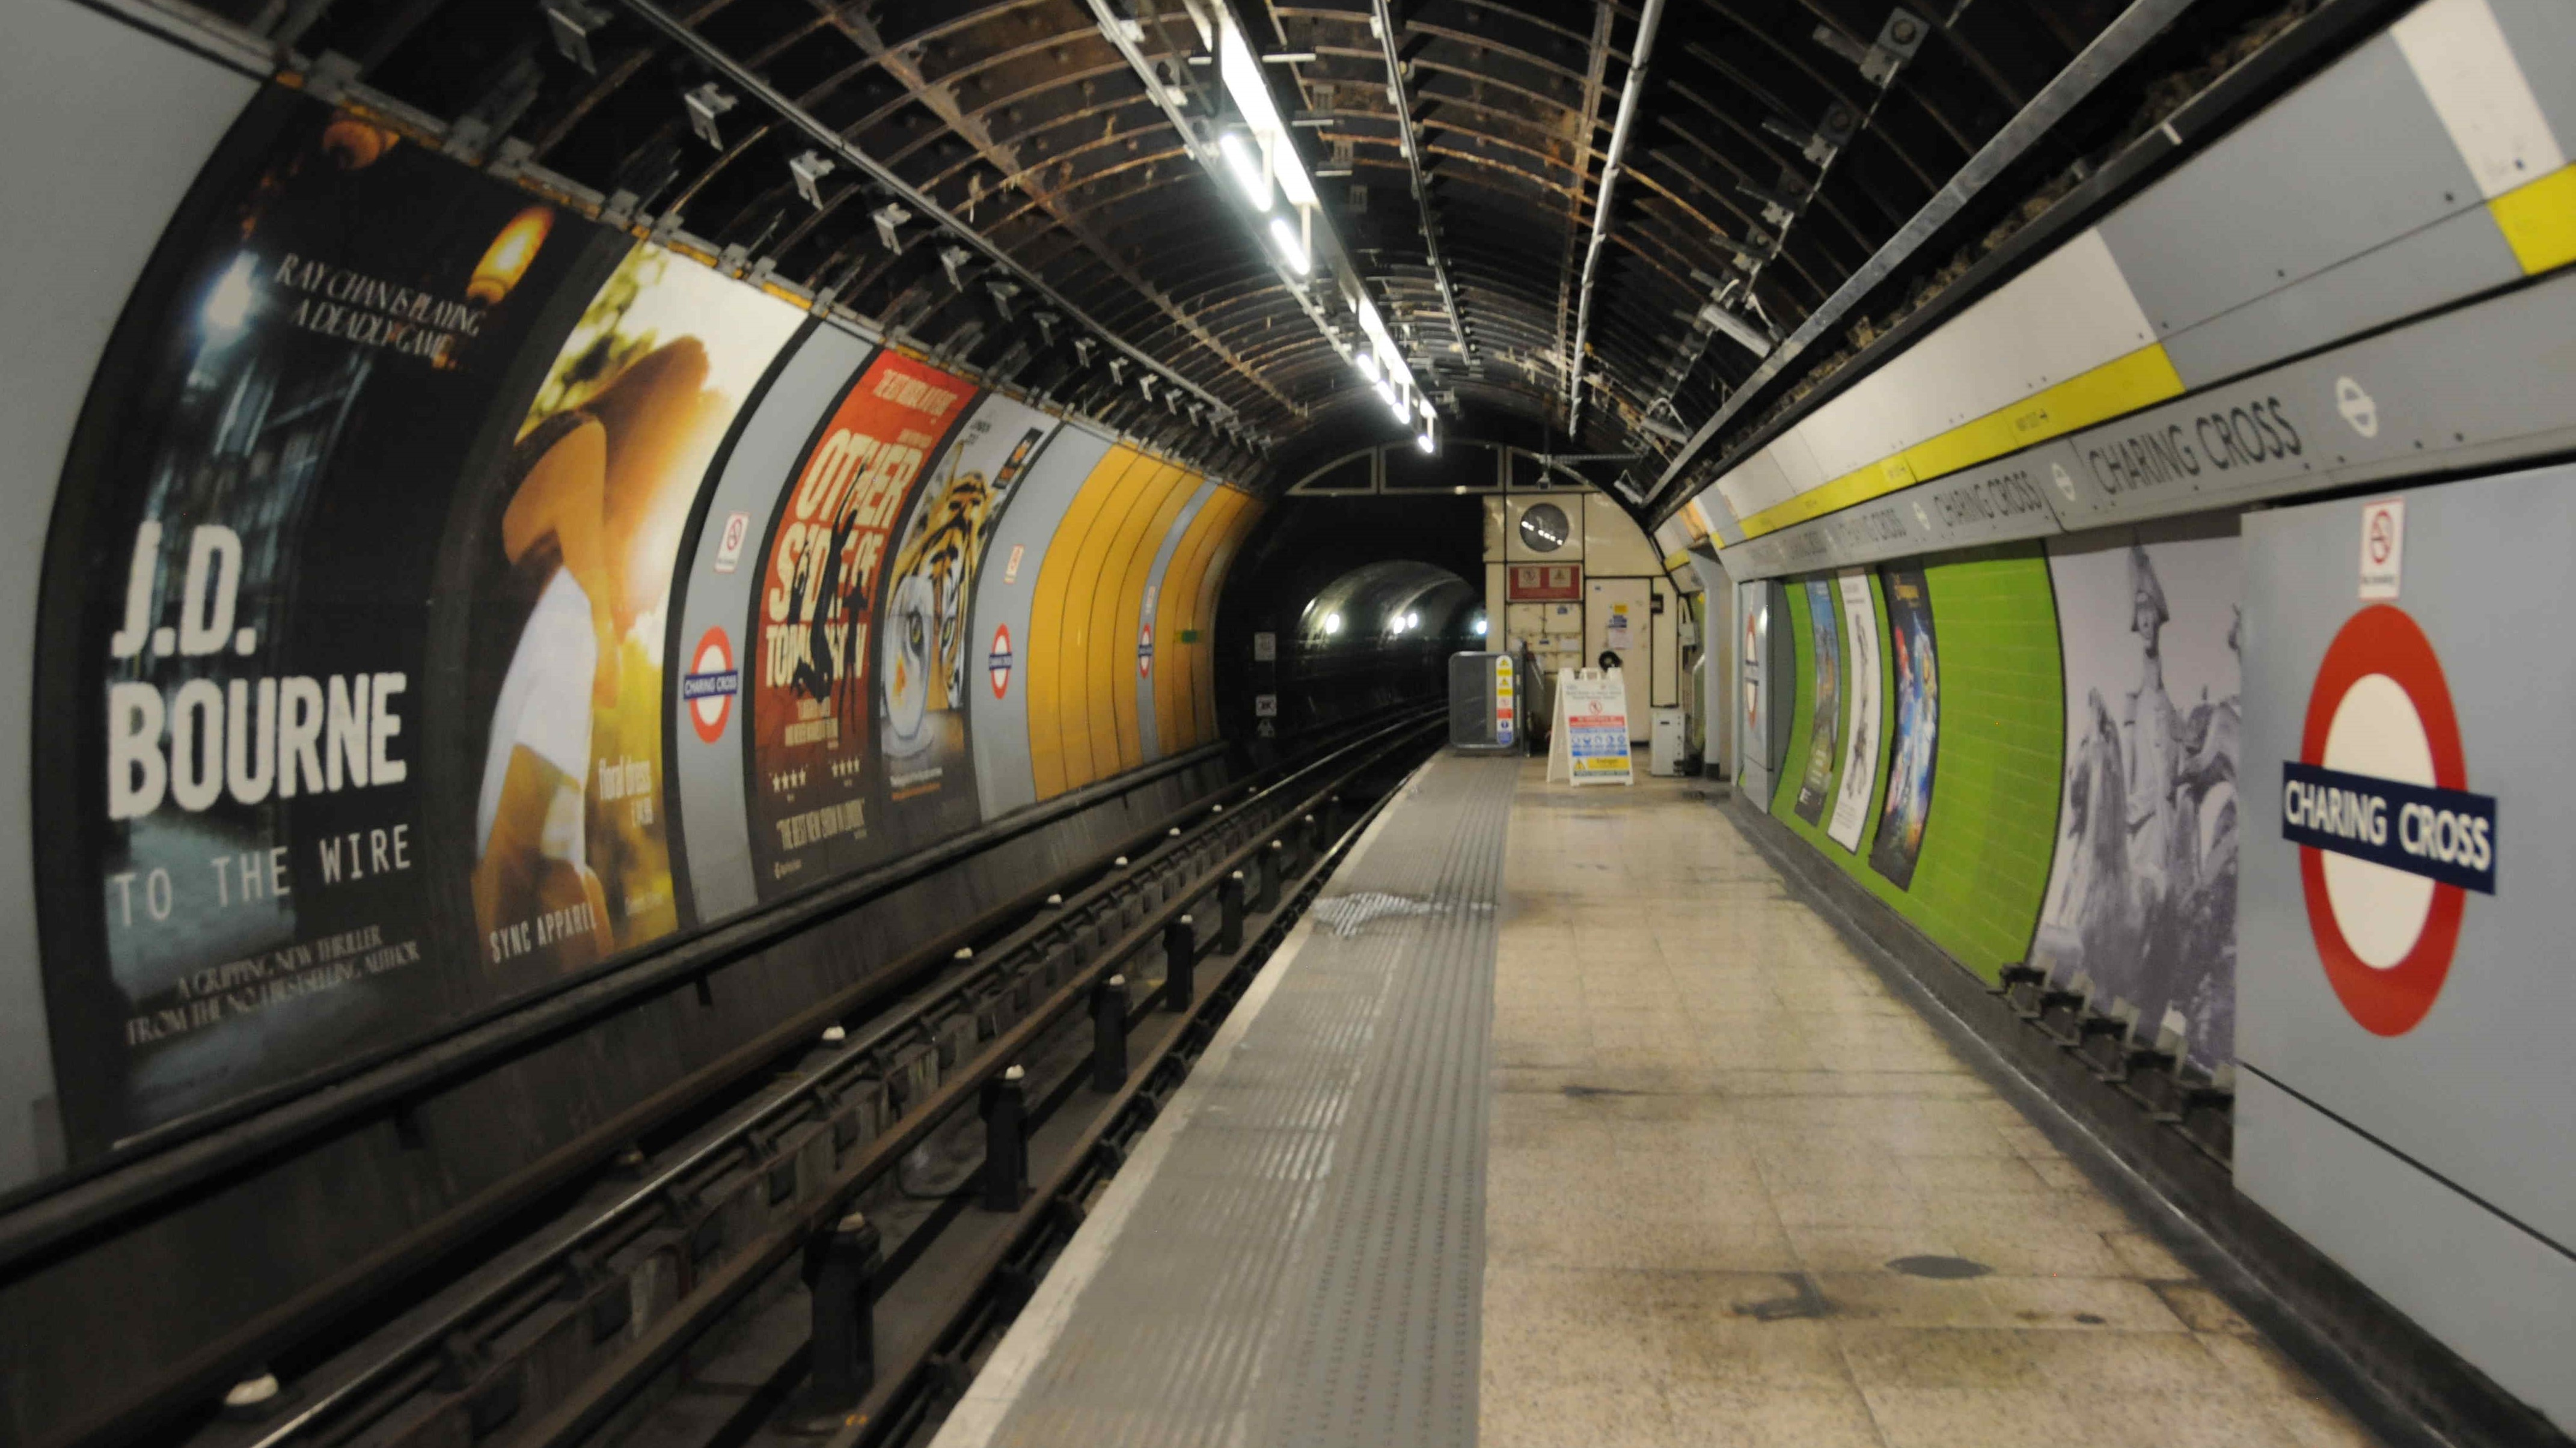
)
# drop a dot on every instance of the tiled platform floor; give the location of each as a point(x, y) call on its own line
point(1714, 1128)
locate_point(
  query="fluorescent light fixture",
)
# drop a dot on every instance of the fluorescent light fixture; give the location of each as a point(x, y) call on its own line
point(1291, 248)
point(1368, 367)
point(1243, 157)
point(1423, 441)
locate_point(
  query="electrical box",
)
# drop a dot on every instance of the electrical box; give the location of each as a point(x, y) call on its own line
point(1671, 742)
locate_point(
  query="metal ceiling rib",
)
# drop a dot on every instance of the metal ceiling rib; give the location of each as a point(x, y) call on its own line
point(1777, 149)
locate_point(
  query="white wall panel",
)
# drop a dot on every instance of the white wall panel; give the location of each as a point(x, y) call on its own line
point(108, 127)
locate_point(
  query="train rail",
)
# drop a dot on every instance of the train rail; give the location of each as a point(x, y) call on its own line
point(783, 1231)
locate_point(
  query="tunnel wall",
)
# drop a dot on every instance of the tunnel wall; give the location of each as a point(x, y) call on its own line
point(572, 596)
point(2359, 295)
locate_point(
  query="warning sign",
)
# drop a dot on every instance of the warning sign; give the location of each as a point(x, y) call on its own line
point(2383, 547)
point(1589, 743)
point(1545, 583)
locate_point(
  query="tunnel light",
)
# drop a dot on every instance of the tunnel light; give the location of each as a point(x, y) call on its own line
point(1290, 248)
point(1332, 624)
point(1412, 619)
point(1477, 626)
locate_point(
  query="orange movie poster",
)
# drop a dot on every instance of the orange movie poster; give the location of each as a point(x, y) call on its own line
point(815, 771)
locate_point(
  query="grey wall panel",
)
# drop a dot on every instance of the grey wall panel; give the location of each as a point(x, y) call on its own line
point(2012, 498)
point(2473, 1089)
point(716, 596)
point(2462, 385)
point(999, 721)
point(1153, 594)
point(2501, 1297)
point(2479, 385)
point(110, 173)
point(2455, 257)
point(2542, 35)
point(2351, 160)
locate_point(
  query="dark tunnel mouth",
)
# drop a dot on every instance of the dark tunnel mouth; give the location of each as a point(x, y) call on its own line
point(1391, 600)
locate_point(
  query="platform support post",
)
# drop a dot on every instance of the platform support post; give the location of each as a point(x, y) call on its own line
point(1229, 913)
point(1180, 964)
point(1109, 1034)
point(841, 1267)
point(1006, 1143)
point(1274, 863)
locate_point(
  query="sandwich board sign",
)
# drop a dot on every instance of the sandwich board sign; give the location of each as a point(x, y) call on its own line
point(1589, 743)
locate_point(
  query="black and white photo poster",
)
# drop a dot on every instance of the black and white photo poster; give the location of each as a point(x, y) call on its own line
point(2141, 906)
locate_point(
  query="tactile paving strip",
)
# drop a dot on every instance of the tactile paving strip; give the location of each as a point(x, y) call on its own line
point(1306, 1266)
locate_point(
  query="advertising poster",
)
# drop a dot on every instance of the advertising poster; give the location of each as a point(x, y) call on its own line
point(572, 558)
point(1917, 748)
point(243, 887)
point(814, 768)
point(923, 649)
point(2141, 904)
point(1825, 650)
point(1860, 741)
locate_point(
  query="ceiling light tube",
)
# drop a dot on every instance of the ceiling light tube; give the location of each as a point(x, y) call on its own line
point(1243, 157)
point(1422, 441)
point(1291, 248)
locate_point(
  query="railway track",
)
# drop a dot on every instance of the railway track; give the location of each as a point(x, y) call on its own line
point(828, 1254)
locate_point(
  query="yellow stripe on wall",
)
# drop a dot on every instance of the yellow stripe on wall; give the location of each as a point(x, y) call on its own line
point(1117, 737)
point(2123, 384)
point(1081, 661)
point(1053, 661)
point(2539, 221)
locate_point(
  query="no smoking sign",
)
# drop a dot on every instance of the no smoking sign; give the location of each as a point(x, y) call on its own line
point(2383, 547)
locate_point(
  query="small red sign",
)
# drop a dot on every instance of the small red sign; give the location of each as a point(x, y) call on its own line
point(1545, 583)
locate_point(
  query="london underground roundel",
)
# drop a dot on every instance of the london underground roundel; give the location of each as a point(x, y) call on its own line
point(997, 660)
point(710, 684)
point(2391, 841)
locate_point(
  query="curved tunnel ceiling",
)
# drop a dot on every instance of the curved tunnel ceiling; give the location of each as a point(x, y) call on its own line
point(1776, 145)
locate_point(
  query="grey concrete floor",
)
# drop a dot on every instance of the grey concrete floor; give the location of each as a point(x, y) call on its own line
point(1714, 1130)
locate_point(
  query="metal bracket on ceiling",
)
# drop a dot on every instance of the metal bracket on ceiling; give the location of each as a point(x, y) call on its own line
point(809, 169)
point(705, 104)
point(884, 180)
point(572, 24)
